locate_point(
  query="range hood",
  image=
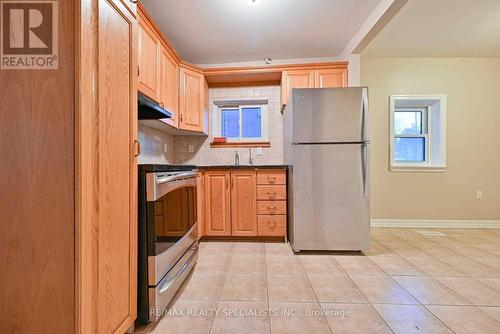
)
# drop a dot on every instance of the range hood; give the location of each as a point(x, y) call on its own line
point(149, 109)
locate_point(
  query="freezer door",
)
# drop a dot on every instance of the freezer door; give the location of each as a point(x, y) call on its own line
point(331, 206)
point(330, 115)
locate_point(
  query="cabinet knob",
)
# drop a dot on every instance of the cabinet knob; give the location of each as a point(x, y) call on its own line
point(271, 194)
point(134, 1)
point(271, 179)
point(272, 224)
point(137, 148)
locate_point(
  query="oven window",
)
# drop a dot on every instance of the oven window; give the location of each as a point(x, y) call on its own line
point(175, 214)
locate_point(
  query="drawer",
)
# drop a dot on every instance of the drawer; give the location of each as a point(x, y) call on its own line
point(271, 225)
point(271, 207)
point(271, 176)
point(271, 192)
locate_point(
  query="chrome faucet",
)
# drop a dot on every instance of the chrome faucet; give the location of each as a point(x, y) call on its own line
point(236, 158)
point(250, 159)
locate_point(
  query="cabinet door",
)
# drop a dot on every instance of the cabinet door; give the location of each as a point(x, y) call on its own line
point(116, 235)
point(191, 100)
point(169, 85)
point(330, 78)
point(200, 204)
point(148, 62)
point(217, 203)
point(295, 79)
point(244, 203)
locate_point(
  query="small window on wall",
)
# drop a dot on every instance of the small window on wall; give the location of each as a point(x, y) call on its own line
point(417, 133)
point(244, 123)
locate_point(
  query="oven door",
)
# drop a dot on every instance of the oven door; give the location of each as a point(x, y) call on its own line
point(172, 217)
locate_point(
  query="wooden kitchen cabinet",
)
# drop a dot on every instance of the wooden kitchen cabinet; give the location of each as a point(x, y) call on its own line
point(116, 235)
point(243, 203)
point(192, 99)
point(169, 85)
point(330, 78)
point(200, 204)
point(217, 203)
point(314, 77)
point(148, 64)
point(295, 79)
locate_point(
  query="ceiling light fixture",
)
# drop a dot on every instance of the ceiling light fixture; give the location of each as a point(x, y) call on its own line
point(254, 2)
point(268, 60)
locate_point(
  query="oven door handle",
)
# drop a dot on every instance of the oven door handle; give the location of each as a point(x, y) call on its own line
point(168, 283)
point(176, 177)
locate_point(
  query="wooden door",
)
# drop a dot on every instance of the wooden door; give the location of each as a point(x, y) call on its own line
point(116, 180)
point(191, 99)
point(330, 78)
point(244, 203)
point(217, 203)
point(169, 85)
point(148, 61)
point(295, 79)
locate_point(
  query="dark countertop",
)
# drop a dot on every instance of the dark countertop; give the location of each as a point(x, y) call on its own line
point(241, 166)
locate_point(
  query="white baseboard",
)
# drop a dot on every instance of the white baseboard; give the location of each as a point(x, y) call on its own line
point(433, 223)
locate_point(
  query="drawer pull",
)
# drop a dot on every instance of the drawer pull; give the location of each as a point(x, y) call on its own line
point(272, 224)
point(271, 194)
point(273, 208)
point(271, 179)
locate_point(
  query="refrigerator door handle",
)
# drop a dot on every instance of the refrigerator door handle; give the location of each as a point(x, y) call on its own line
point(364, 168)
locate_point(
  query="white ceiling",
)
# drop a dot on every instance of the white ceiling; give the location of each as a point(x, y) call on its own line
point(225, 31)
point(441, 28)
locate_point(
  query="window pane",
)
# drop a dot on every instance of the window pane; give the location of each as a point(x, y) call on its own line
point(410, 149)
point(408, 122)
point(251, 122)
point(230, 123)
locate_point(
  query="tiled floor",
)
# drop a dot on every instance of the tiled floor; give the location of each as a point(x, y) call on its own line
point(407, 283)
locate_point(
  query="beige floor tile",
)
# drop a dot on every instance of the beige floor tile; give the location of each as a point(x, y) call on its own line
point(474, 290)
point(430, 291)
point(354, 319)
point(321, 265)
point(205, 286)
point(359, 265)
point(245, 287)
point(278, 248)
point(187, 316)
point(395, 265)
point(379, 249)
point(248, 264)
point(213, 263)
point(216, 247)
point(433, 266)
point(382, 289)
point(241, 318)
point(249, 248)
point(336, 289)
point(298, 318)
point(411, 319)
point(293, 288)
point(471, 268)
point(492, 311)
point(466, 319)
point(282, 264)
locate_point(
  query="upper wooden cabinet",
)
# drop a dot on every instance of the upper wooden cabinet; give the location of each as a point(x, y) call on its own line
point(295, 79)
point(330, 78)
point(244, 203)
point(169, 86)
point(148, 61)
point(217, 203)
point(192, 99)
point(312, 78)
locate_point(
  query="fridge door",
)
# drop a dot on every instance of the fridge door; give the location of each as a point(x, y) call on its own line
point(329, 115)
point(331, 204)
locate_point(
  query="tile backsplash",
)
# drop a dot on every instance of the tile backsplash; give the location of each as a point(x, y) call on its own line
point(178, 147)
point(203, 154)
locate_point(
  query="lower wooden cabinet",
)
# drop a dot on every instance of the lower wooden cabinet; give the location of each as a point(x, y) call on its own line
point(236, 205)
point(244, 203)
point(217, 203)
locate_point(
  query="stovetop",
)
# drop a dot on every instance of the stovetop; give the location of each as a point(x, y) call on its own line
point(164, 168)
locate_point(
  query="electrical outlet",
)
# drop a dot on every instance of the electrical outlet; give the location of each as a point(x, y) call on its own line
point(165, 148)
point(259, 150)
point(190, 148)
point(479, 195)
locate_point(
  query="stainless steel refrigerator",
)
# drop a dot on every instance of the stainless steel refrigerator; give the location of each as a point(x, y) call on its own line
point(327, 150)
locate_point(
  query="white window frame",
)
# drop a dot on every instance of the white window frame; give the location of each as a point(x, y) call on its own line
point(264, 122)
point(434, 132)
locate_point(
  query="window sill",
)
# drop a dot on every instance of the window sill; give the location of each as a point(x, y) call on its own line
point(241, 144)
point(417, 168)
